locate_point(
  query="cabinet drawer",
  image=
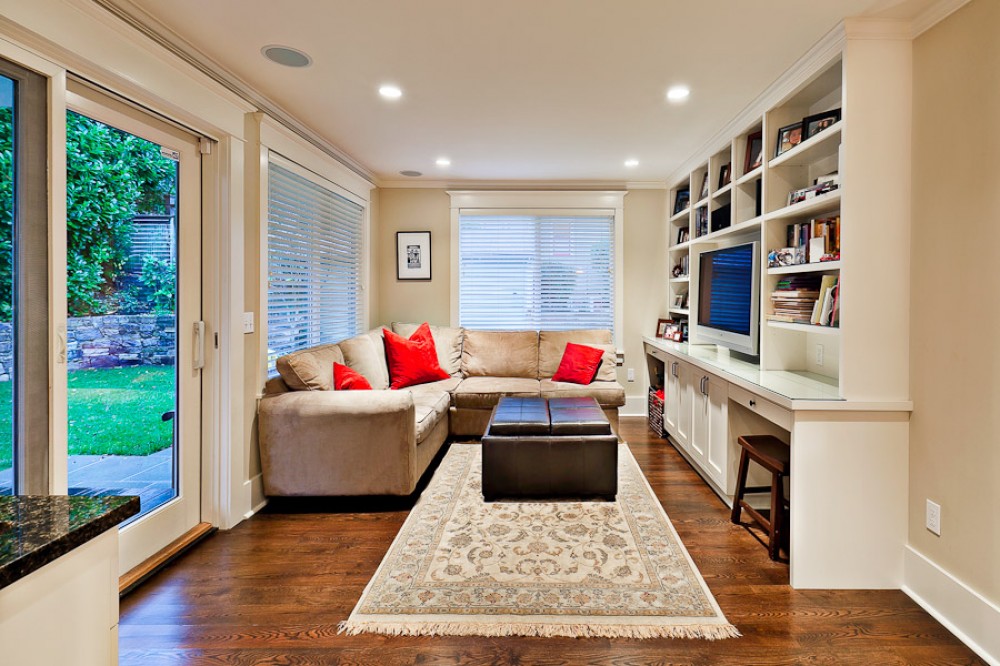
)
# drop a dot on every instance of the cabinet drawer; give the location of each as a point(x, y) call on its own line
point(659, 354)
point(766, 408)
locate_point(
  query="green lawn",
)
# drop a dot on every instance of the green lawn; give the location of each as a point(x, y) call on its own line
point(115, 411)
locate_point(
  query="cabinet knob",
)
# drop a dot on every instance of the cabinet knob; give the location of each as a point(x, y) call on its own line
point(753, 403)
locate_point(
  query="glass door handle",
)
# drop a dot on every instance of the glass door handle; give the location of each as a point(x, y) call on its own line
point(199, 345)
point(61, 344)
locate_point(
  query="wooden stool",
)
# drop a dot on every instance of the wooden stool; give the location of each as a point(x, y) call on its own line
point(775, 456)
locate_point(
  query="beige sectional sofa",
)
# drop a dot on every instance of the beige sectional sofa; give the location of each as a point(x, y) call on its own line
point(317, 441)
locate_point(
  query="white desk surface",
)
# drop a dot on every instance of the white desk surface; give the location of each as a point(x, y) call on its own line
point(792, 390)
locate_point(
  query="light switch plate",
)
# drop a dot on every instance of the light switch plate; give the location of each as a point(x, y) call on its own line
point(934, 517)
point(247, 322)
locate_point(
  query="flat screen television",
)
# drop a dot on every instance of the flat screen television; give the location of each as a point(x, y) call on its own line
point(729, 297)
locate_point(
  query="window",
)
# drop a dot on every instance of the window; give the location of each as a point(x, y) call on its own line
point(314, 243)
point(536, 270)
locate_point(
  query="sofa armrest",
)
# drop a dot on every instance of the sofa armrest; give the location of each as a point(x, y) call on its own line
point(338, 443)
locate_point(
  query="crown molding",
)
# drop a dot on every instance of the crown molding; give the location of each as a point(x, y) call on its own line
point(523, 185)
point(824, 52)
point(146, 24)
point(934, 14)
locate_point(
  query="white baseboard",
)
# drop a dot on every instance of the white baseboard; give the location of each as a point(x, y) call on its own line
point(964, 612)
point(256, 492)
point(635, 405)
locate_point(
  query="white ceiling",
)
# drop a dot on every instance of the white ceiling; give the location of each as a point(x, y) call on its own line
point(514, 90)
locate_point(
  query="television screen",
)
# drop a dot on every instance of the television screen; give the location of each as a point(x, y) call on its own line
point(725, 289)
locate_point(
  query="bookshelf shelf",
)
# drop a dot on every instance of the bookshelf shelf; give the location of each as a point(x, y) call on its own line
point(825, 203)
point(680, 311)
point(750, 176)
point(804, 328)
point(681, 279)
point(681, 246)
point(724, 190)
point(812, 150)
point(805, 268)
point(682, 215)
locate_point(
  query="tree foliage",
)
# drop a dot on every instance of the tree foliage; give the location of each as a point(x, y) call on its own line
point(110, 177)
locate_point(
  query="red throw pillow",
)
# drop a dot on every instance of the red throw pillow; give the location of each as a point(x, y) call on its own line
point(412, 361)
point(579, 364)
point(345, 379)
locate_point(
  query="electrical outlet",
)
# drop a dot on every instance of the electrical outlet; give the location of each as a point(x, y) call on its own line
point(934, 517)
point(631, 374)
point(247, 322)
point(819, 354)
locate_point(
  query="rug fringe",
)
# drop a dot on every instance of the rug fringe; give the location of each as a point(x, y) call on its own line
point(711, 632)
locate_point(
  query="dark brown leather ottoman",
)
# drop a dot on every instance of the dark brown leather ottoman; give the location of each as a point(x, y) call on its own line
point(560, 448)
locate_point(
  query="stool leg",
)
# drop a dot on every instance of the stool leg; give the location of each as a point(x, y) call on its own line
point(741, 484)
point(777, 508)
point(782, 531)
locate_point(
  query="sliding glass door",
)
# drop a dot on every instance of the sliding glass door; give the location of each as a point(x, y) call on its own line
point(133, 306)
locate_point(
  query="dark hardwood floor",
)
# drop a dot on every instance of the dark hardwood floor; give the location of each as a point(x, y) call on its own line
point(272, 590)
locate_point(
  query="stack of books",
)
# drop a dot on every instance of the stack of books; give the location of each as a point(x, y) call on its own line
point(801, 236)
point(794, 299)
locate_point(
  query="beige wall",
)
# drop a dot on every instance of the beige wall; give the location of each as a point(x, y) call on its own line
point(955, 360)
point(413, 210)
point(429, 209)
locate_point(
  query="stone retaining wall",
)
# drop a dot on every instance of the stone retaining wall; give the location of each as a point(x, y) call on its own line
point(107, 341)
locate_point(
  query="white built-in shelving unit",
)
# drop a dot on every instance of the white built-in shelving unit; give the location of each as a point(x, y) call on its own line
point(753, 204)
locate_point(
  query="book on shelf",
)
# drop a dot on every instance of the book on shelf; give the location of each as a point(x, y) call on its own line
point(802, 241)
point(823, 309)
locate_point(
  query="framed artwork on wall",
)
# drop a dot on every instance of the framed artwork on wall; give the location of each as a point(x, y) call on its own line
point(413, 255)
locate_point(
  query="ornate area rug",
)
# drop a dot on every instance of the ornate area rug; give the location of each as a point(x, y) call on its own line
point(462, 566)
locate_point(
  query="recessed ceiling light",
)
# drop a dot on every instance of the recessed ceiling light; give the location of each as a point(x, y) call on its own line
point(286, 55)
point(632, 163)
point(443, 162)
point(410, 173)
point(678, 93)
point(390, 91)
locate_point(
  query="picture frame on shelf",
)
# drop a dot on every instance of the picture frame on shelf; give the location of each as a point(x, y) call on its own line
point(755, 152)
point(704, 187)
point(661, 327)
point(725, 174)
point(682, 199)
point(789, 136)
point(679, 301)
point(413, 255)
point(814, 124)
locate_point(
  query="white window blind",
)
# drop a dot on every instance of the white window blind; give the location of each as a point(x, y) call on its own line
point(314, 256)
point(536, 271)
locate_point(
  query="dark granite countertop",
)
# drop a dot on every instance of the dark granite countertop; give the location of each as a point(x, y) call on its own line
point(35, 530)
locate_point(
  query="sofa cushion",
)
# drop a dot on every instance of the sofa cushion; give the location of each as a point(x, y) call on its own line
point(429, 407)
point(345, 379)
point(552, 344)
point(579, 364)
point(365, 353)
point(447, 342)
point(501, 354)
point(485, 392)
point(310, 369)
point(444, 386)
point(607, 394)
point(412, 361)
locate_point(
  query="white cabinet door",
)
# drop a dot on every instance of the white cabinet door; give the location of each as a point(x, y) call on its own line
point(700, 417)
point(717, 451)
point(671, 404)
point(685, 412)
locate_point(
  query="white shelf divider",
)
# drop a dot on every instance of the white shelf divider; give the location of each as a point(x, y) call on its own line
point(805, 268)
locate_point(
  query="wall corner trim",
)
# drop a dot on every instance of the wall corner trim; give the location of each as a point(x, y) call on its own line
point(963, 611)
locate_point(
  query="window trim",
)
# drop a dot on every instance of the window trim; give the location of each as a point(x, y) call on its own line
point(579, 202)
point(293, 153)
